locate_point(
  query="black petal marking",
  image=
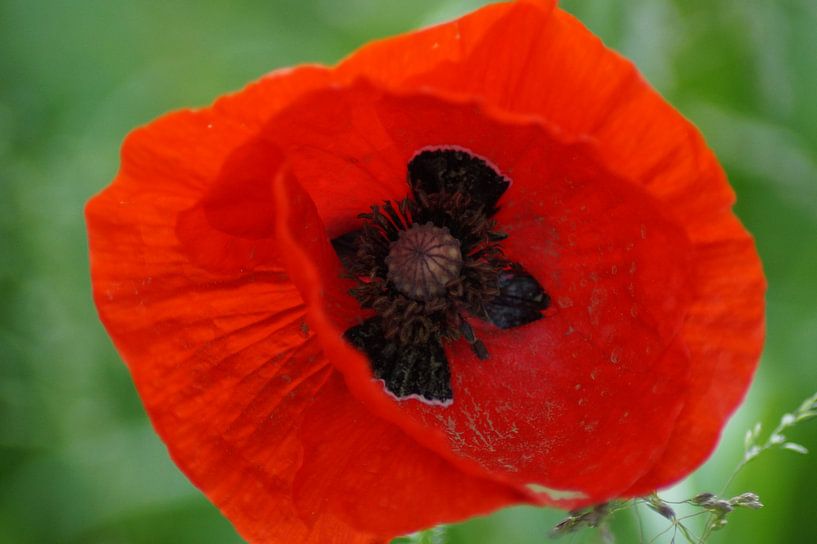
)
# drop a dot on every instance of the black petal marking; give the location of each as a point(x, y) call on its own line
point(345, 246)
point(413, 369)
point(520, 301)
point(452, 171)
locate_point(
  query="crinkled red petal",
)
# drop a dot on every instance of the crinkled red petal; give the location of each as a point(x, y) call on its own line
point(372, 474)
point(724, 335)
point(532, 58)
point(223, 362)
point(595, 384)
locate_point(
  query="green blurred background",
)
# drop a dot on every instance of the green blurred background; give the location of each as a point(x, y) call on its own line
point(79, 462)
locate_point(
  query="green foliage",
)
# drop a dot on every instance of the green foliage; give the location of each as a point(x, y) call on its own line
point(431, 536)
point(78, 460)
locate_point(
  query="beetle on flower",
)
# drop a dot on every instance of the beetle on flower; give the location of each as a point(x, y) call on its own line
point(477, 265)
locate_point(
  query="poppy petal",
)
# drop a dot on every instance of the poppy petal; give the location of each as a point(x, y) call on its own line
point(211, 366)
point(223, 362)
point(573, 226)
point(583, 88)
point(372, 475)
point(726, 332)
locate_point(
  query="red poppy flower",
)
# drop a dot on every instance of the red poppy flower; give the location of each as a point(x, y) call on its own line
point(472, 266)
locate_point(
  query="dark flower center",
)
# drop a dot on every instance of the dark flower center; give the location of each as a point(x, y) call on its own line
point(427, 265)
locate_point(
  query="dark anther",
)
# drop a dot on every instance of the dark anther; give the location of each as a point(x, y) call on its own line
point(521, 299)
point(476, 345)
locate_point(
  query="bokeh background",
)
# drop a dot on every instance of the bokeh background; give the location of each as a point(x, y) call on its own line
point(79, 462)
